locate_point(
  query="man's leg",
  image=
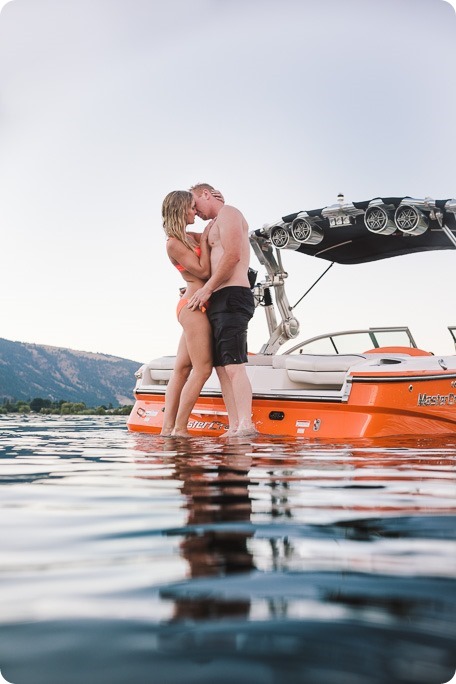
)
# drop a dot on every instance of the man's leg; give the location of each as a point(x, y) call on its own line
point(242, 394)
point(228, 398)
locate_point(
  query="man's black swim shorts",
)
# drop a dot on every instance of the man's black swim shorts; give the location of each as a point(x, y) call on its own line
point(230, 310)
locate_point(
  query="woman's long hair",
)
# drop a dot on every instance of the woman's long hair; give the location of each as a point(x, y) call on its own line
point(174, 212)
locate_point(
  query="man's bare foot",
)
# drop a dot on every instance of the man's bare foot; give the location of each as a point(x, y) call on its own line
point(231, 432)
point(246, 432)
point(246, 429)
point(181, 433)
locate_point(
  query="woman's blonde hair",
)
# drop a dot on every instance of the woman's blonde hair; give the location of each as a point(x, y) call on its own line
point(174, 212)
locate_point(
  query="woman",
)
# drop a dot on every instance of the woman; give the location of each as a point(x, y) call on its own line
point(189, 253)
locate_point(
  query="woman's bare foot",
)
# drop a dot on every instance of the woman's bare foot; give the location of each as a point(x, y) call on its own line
point(167, 430)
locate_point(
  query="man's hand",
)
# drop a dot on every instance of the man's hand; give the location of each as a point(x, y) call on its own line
point(199, 299)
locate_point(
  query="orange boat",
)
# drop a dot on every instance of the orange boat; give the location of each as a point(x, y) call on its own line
point(380, 391)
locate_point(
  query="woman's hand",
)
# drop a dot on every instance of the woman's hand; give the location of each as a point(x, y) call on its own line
point(218, 195)
point(205, 234)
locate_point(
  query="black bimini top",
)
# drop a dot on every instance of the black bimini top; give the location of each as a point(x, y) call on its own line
point(368, 231)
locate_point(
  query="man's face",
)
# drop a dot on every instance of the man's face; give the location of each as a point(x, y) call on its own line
point(201, 205)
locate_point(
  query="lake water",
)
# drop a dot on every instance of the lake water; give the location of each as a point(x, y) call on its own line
point(133, 559)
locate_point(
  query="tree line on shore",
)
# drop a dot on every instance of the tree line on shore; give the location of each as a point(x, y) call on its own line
point(61, 407)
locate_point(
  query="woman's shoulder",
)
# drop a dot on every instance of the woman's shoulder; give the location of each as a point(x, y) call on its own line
point(173, 245)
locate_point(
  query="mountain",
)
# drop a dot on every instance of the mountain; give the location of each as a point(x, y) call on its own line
point(33, 370)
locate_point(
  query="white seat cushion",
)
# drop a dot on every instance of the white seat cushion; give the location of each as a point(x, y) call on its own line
point(325, 370)
point(260, 359)
point(160, 369)
point(163, 362)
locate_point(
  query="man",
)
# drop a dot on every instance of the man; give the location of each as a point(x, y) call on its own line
point(231, 306)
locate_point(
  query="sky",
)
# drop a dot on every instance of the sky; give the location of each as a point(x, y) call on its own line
point(107, 105)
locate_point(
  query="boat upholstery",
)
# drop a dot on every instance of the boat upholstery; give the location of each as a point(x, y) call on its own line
point(260, 360)
point(160, 369)
point(325, 370)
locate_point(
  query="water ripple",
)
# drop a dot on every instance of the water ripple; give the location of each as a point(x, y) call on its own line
point(202, 560)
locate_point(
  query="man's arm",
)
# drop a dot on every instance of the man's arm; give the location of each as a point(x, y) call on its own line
point(231, 233)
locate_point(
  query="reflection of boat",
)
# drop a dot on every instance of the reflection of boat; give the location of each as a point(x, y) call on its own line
point(376, 390)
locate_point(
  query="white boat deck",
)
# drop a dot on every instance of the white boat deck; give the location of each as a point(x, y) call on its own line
point(313, 377)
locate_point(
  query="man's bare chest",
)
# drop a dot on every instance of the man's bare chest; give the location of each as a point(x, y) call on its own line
point(213, 237)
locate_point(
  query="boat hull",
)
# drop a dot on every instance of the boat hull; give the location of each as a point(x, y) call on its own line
point(386, 405)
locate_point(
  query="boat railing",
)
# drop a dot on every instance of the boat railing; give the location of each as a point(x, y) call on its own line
point(452, 329)
point(371, 332)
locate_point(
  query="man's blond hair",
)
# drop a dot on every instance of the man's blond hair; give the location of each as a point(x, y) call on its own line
point(200, 187)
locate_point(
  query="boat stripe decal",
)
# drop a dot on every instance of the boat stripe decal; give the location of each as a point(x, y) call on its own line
point(402, 378)
point(147, 394)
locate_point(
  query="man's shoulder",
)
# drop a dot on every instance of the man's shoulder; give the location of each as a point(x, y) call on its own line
point(228, 209)
point(230, 213)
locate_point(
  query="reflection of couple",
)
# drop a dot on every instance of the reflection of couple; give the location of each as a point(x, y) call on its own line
point(214, 310)
point(215, 542)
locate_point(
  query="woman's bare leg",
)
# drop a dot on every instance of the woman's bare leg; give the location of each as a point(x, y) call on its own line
point(198, 338)
point(179, 376)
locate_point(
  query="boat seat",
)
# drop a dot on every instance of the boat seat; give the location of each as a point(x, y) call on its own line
point(328, 371)
point(160, 369)
point(260, 360)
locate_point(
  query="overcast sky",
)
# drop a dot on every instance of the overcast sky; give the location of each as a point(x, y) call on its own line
point(107, 105)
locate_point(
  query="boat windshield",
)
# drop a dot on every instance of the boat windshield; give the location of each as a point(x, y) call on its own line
point(354, 341)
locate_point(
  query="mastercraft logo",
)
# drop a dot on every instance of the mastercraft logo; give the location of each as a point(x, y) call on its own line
point(436, 399)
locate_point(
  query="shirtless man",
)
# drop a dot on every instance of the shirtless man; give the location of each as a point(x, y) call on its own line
point(231, 306)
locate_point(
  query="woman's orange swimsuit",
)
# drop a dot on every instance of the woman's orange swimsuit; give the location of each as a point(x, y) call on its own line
point(183, 301)
point(181, 268)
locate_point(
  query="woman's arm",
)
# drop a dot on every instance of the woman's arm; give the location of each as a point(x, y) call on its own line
point(195, 236)
point(180, 254)
point(205, 258)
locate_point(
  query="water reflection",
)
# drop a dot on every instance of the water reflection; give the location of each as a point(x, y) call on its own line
point(253, 510)
point(342, 546)
point(215, 496)
point(137, 558)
